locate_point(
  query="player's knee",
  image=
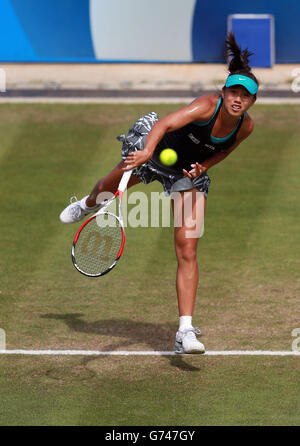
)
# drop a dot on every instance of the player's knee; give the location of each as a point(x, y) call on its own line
point(187, 253)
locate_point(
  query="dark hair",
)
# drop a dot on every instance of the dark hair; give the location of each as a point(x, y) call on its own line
point(238, 59)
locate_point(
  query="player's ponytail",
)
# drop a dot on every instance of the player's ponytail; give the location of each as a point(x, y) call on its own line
point(238, 58)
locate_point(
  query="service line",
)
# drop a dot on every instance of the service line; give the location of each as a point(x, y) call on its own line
point(147, 353)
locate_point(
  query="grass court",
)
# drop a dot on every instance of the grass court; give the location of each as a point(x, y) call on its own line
point(248, 295)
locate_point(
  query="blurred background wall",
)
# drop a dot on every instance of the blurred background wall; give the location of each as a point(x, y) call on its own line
point(135, 30)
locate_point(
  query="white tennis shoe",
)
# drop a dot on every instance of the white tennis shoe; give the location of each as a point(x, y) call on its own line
point(76, 211)
point(187, 342)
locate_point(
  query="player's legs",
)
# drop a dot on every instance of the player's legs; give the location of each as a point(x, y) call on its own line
point(78, 209)
point(186, 237)
point(109, 183)
point(187, 272)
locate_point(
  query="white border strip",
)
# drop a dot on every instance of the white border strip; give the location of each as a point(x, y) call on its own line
point(147, 353)
point(250, 16)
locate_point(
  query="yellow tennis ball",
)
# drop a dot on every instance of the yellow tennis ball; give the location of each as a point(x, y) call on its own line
point(168, 157)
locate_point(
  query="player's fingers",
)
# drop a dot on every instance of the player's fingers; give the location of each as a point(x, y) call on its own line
point(200, 168)
point(186, 173)
point(128, 160)
point(194, 172)
point(126, 168)
point(130, 157)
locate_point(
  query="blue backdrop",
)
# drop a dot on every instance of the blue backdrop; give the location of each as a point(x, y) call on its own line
point(210, 25)
point(70, 31)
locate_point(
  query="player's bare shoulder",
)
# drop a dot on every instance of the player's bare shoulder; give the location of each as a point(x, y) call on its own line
point(204, 107)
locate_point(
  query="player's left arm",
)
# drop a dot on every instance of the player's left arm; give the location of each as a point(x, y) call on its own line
point(199, 169)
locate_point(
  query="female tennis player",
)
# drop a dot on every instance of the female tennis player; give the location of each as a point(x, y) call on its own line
point(203, 134)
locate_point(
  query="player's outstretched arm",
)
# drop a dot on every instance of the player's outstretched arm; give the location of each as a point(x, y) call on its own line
point(200, 109)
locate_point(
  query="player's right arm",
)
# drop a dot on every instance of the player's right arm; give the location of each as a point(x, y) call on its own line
point(199, 110)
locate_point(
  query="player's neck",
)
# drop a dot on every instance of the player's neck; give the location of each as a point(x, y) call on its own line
point(226, 120)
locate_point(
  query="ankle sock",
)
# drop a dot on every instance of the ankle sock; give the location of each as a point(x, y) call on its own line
point(185, 322)
point(84, 206)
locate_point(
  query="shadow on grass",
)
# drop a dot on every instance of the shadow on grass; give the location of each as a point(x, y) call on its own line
point(129, 333)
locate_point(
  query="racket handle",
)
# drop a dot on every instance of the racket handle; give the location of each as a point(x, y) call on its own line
point(124, 180)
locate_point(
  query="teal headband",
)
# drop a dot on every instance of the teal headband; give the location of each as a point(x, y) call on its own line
point(239, 79)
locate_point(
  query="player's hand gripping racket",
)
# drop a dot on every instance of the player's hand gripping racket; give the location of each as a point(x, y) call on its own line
point(99, 242)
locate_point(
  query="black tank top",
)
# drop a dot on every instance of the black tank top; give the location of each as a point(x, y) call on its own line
point(194, 142)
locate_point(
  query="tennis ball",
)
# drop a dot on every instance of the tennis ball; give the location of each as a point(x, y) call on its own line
point(168, 157)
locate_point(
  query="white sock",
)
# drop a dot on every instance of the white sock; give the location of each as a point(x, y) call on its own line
point(185, 322)
point(84, 206)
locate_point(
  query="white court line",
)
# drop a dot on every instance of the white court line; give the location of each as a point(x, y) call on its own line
point(130, 100)
point(147, 353)
point(104, 100)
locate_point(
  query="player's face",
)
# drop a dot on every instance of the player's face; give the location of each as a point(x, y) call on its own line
point(237, 100)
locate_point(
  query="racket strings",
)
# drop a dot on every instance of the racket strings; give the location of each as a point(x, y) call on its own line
point(98, 244)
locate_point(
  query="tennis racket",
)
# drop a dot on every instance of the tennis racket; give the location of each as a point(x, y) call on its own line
point(99, 242)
